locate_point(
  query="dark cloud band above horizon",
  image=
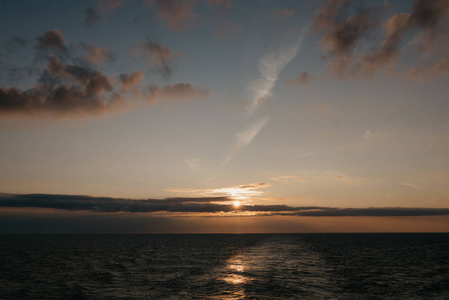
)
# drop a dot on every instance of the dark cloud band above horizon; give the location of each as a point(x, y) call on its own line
point(200, 205)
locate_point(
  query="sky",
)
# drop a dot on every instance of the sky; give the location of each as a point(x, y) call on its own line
point(228, 116)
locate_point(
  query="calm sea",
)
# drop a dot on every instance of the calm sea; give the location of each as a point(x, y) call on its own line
point(246, 266)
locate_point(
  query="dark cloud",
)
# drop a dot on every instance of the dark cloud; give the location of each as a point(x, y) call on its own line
point(432, 18)
point(94, 82)
point(177, 13)
point(79, 89)
point(52, 40)
point(388, 53)
point(256, 185)
point(92, 16)
point(98, 55)
point(198, 205)
point(327, 14)
point(178, 91)
point(63, 100)
point(157, 57)
point(129, 81)
point(303, 78)
point(62, 90)
point(341, 35)
point(104, 204)
point(426, 14)
point(374, 212)
point(15, 44)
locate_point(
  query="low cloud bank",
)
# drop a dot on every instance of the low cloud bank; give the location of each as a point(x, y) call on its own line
point(200, 205)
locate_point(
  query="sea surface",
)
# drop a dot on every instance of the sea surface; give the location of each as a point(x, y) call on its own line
point(225, 266)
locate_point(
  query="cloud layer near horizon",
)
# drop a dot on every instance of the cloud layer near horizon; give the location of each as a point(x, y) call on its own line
point(198, 205)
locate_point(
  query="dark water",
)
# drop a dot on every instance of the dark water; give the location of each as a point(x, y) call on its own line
point(272, 266)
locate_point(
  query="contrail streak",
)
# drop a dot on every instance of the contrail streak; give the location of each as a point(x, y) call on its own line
point(270, 66)
point(244, 139)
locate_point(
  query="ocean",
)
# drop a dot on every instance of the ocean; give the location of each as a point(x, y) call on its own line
point(225, 266)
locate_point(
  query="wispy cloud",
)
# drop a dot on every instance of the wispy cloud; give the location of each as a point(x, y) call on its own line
point(243, 140)
point(290, 178)
point(240, 192)
point(192, 163)
point(411, 185)
point(270, 66)
point(177, 14)
point(177, 92)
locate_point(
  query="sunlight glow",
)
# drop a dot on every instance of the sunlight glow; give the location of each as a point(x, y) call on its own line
point(236, 203)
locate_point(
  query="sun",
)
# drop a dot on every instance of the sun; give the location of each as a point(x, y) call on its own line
point(236, 203)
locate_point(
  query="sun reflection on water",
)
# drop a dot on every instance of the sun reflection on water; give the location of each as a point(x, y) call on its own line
point(234, 271)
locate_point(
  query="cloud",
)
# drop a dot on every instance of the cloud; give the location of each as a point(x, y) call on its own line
point(411, 185)
point(341, 37)
point(157, 57)
point(105, 204)
point(175, 12)
point(129, 81)
point(92, 17)
point(94, 82)
point(52, 40)
point(430, 70)
point(64, 100)
point(192, 163)
point(373, 212)
point(243, 140)
point(427, 14)
point(290, 178)
point(327, 14)
point(98, 55)
point(303, 78)
point(270, 66)
point(200, 205)
point(62, 89)
point(177, 92)
point(388, 53)
point(240, 192)
point(79, 89)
